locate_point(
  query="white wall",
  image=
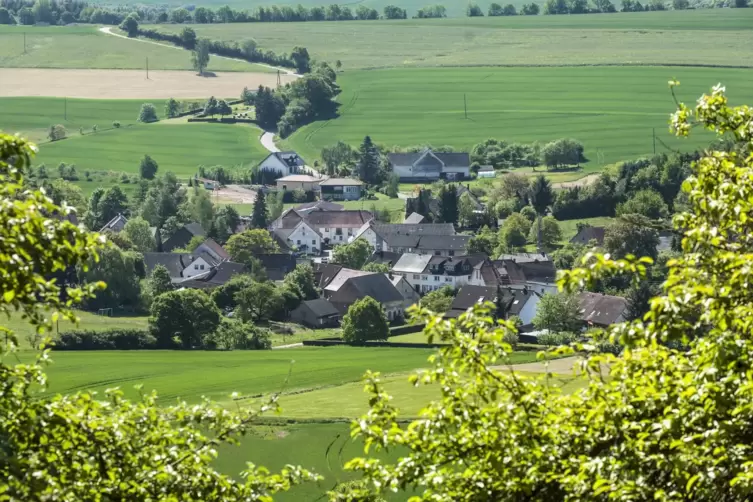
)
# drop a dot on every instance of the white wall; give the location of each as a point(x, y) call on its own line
point(331, 234)
point(196, 267)
point(303, 234)
point(424, 283)
point(529, 309)
point(272, 163)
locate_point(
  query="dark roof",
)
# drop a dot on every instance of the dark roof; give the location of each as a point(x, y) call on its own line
point(225, 271)
point(469, 296)
point(174, 262)
point(325, 272)
point(448, 159)
point(319, 205)
point(219, 250)
point(386, 257)
point(377, 286)
point(454, 242)
point(588, 234)
point(289, 157)
point(183, 236)
point(384, 229)
point(352, 218)
point(195, 229)
point(601, 310)
point(116, 224)
point(414, 218)
point(321, 307)
point(336, 182)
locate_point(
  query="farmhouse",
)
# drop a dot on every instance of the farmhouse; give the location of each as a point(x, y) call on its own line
point(180, 265)
point(298, 182)
point(300, 236)
point(216, 276)
point(424, 238)
point(520, 303)
point(285, 163)
point(428, 165)
point(426, 272)
point(341, 189)
point(377, 286)
point(334, 227)
point(319, 313)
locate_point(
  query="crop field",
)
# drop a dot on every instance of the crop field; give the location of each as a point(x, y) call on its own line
point(626, 38)
point(85, 47)
point(614, 111)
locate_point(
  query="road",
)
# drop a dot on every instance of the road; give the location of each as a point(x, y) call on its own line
point(268, 141)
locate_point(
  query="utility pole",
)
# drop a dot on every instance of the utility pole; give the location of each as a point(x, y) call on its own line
point(65, 108)
point(147, 68)
point(465, 106)
point(279, 83)
point(24, 42)
point(653, 131)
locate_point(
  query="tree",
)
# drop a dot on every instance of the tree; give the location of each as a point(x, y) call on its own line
point(381, 268)
point(243, 246)
point(531, 9)
point(269, 107)
point(368, 161)
point(558, 312)
point(180, 16)
point(223, 108)
point(259, 216)
point(448, 203)
point(64, 192)
point(631, 235)
point(148, 113)
point(365, 321)
point(159, 281)
point(225, 296)
point(138, 231)
point(473, 10)
point(210, 107)
point(301, 59)
point(483, 242)
point(495, 9)
point(113, 203)
point(302, 277)
point(198, 207)
point(467, 215)
point(148, 167)
point(121, 271)
point(130, 25)
point(200, 55)
point(259, 301)
point(542, 197)
point(604, 6)
point(680, 4)
point(233, 334)
point(439, 300)
point(172, 108)
point(247, 96)
point(42, 11)
point(509, 10)
point(338, 65)
point(161, 203)
point(188, 38)
point(5, 17)
point(555, 7)
point(393, 186)
point(741, 4)
point(514, 232)
point(394, 12)
point(338, 157)
point(353, 255)
point(226, 221)
point(648, 203)
point(184, 318)
point(547, 234)
point(57, 132)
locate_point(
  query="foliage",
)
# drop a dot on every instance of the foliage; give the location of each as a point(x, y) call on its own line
point(514, 232)
point(483, 241)
point(112, 339)
point(130, 25)
point(183, 318)
point(301, 59)
point(381, 268)
point(448, 203)
point(368, 162)
point(233, 334)
point(365, 321)
point(198, 207)
point(339, 158)
point(159, 282)
point(302, 277)
point(631, 235)
point(243, 246)
point(57, 132)
point(121, 271)
point(269, 107)
point(148, 113)
point(225, 296)
point(473, 10)
point(138, 232)
point(353, 255)
point(562, 152)
point(393, 186)
point(259, 301)
point(163, 199)
point(558, 312)
point(648, 203)
point(556, 339)
point(172, 109)
point(200, 55)
point(259, 215)
point(148, 167)
point(431, 11)
point(550, 234)
point(439, 300)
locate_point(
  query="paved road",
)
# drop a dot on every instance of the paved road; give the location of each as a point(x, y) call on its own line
point(289, 346)
point(268, 141)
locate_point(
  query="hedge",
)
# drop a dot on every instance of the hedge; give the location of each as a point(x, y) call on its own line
point(113, 339)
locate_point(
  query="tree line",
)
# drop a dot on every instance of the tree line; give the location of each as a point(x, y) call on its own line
point(558, 154)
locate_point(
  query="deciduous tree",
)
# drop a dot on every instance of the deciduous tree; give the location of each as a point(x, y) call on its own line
point(303, 279)
point(200, 55)
point(547, 233)
point(365, 321)
point(558, 312)
point(259, 301)
point(439, 300)
point(631, 235)
point(148, 113)
point(514, 232)
point(353, 255)
point(243, 246)
point(141, 235)
point(130, 25)
point(648, 203)
point(148, 167)
point(183, 318)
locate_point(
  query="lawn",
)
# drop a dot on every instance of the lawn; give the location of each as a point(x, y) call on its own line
point(178, 147)
point(396, 206)
point(570, 227)
point(85, 47)
point(634, 38)
point(613, 111)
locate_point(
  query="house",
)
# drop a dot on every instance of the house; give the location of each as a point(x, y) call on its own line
point(319, 313)
point(526, 268)
point(426, 272)
point(180, 265)
point(414, 218)
point(337, 281)
point(341, 189)
point(324, 273)
point(384, 257)
point(423, 238)
point(486, 172)
point(319, 205)
point(587, 234)
point(301, 237)
point(284, 163)
point(277, 265)
point(334, 227)
point(601, 310)
point(183, 236)
point(217, 276)
point(298, 182)
point(430, 166)
point(410, 295)
point(377, 286)
point(520, 303)
point(116, 224)
point(213, 249)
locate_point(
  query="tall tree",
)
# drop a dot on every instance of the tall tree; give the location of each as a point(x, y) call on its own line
point(148, 167)
point(448, 203)
point(365, 321)
point(93, 216)
point(113, 203)
point(542, 197)
point(301, 59)
point(243, 246)
point(303, 279)
point(121, 271)
point(631, 235)
point(368, 161)
point(353, 255)
point(130, 25)
point(200, 55)
point(259, 216)
point(138, 231)
point(186, 316)
point(159, 281)
point(172, 109)
point(259, 301)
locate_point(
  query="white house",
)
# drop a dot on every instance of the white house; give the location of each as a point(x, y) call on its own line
point(423, 238)
point(180, 266)
point(404, 287)
point(334, 227)
point(302, 237)
point(286, 163)
point(518, 302)
point(426, 273)
point(429, 165)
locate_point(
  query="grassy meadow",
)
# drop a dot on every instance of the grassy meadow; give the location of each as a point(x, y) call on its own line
point(626, 38)
point(86, 47)
point(612, 110)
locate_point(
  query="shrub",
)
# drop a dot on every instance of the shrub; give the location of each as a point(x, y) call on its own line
point(113, 339)
point(148, 113)
point(116, 124)
point(557, 339)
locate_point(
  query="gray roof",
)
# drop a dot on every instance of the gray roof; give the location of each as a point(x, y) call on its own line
point(588, 234)
point(325, 272)
point(448, 159)
point(319, 205)
point(412, 263)
point(453, 243)
point(526, 257)
point(348, 218)
point(321, 307)
point(195, 229)
point(469, 296)
point(601, 310)
point(377, 286)
point(384, 229)
point(341, 182)
point(342, 276)
point(414, 218)
point(116, 224)
point(387, 257)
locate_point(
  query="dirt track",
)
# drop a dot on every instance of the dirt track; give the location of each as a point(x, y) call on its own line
point(125, 84)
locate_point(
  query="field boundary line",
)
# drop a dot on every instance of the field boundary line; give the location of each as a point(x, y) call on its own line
point(562, 65)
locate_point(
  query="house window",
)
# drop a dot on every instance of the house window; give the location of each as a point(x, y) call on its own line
point(196, 267)
point(313, 242)
point(341, 238)
point(416, 277)
point(201, 267)
point(298, 242)
point(436, 278)
point(452, 253)
point(437, 253)
point(338, 231)
point(447, 279)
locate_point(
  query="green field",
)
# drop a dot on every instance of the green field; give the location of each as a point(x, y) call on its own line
point(85, 47)
point(613, 111)
point(671, 37)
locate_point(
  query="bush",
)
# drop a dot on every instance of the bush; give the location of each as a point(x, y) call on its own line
point(116, 124)
point(113, 339)
point(557, 339)
point(148, 113)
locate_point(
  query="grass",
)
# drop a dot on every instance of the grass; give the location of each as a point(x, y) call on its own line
point(396, 207)
point(301, 334)
point(646, 37)
point(613, 111)
point(570, 227)
point(85, 47)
